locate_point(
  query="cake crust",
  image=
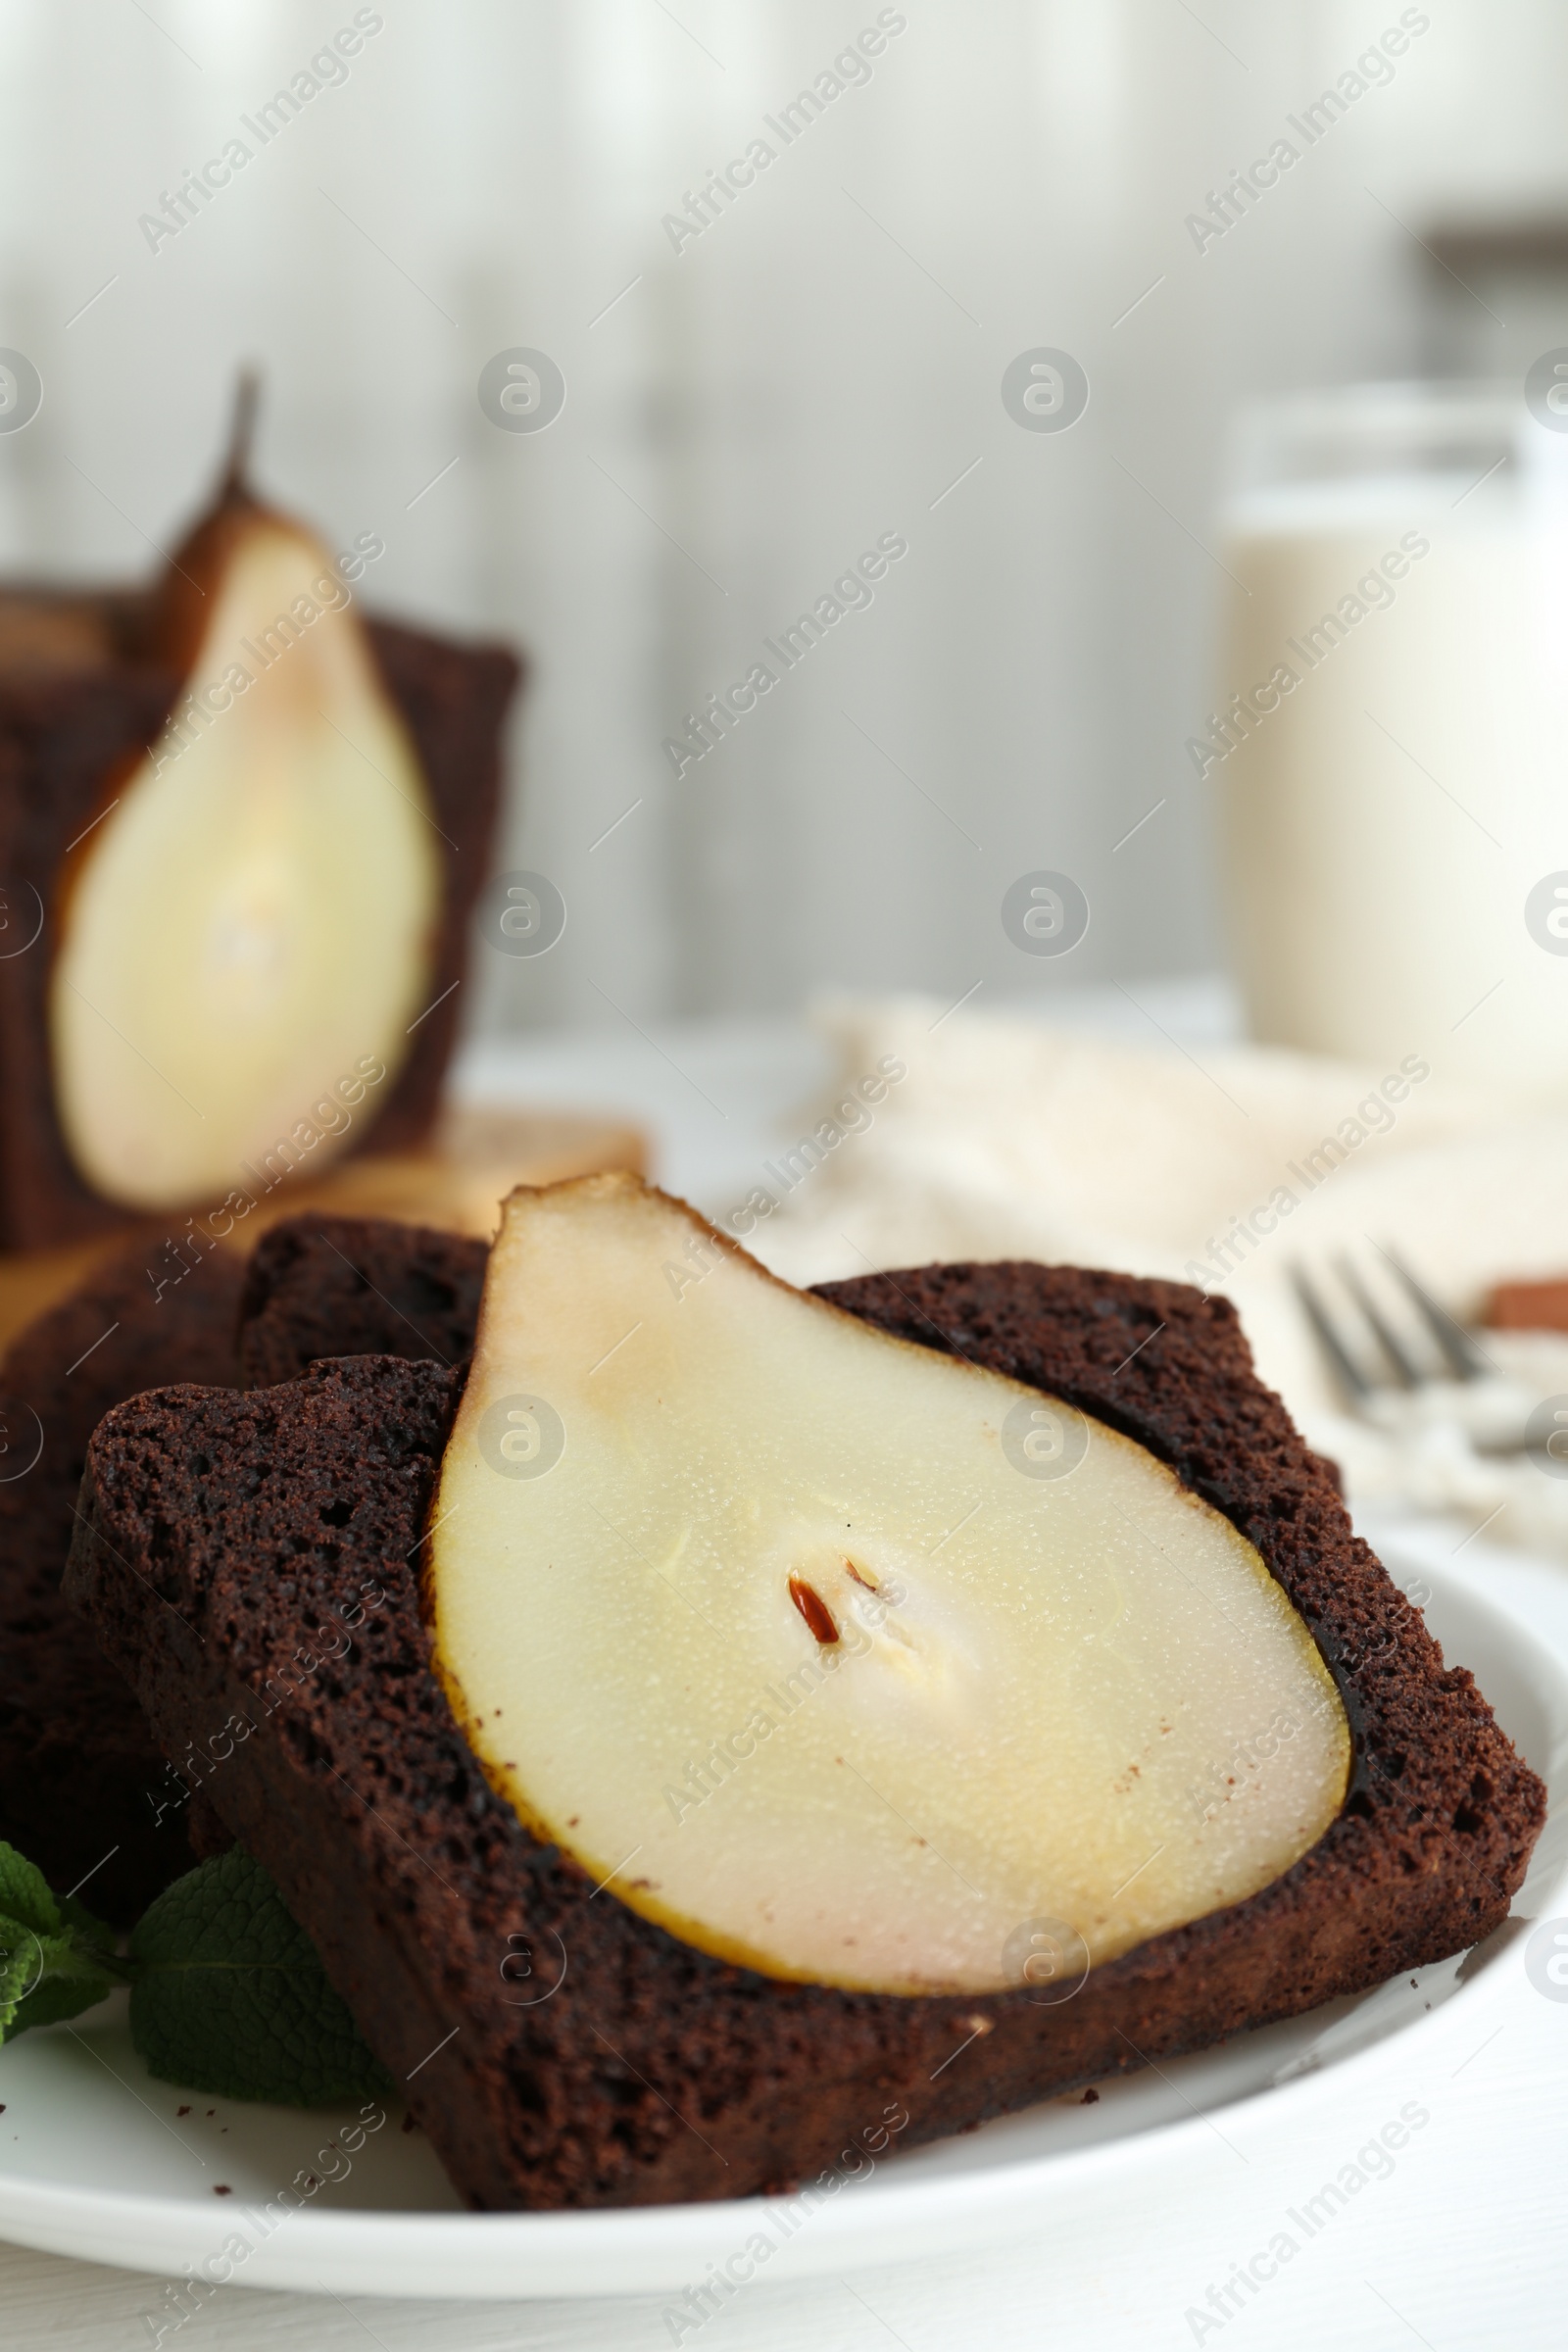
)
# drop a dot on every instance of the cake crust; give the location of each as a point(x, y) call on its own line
point(84, 1791)
point(251, 1564)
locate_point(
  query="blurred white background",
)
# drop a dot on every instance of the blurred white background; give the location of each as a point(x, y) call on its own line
point(821, 366)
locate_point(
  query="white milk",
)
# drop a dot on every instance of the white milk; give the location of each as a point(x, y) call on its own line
point(1383, 824)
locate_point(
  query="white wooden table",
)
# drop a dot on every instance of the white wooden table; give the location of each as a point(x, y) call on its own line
point(1464, 2245)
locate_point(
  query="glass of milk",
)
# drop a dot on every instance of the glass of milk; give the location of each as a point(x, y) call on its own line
point(1391, 749)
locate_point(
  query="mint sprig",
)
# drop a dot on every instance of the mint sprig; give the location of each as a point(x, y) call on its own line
point(55, 1959)
point(228, 1993)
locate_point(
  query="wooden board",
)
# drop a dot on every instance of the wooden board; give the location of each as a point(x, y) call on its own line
point(476, 1155)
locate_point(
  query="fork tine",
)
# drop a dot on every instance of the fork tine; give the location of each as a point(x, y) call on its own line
point(1461, 1353)
point(1408, 1372)
point(1351, 1377)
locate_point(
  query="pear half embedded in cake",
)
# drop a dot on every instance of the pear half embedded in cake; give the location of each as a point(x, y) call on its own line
point(837, 1656)
point(253, 915)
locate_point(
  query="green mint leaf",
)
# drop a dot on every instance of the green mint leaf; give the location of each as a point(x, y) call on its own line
point(24, 1896)
point(21, 1966)
point(71, 1979)
point(55, 1959)
point(229, 1996)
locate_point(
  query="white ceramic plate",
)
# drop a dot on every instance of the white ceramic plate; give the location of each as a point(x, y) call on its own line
point(99, 2161)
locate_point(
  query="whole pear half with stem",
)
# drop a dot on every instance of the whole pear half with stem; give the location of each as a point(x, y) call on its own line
point(249, 921)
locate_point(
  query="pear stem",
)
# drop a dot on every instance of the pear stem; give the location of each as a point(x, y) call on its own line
point(243, 433)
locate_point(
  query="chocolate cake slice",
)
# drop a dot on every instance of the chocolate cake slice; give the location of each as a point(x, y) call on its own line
point(85, 1790)
point(251, 1563)
point(357, 1285)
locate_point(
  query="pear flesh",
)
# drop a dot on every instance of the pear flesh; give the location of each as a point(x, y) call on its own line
point(253, 921)
point(768, 1620)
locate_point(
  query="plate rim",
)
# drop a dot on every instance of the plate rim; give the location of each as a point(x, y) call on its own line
point(60, 2218)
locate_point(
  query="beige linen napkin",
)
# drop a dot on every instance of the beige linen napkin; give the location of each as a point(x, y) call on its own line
point(980, 1135)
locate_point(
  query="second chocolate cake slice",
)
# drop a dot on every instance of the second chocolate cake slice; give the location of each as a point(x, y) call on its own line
point(84, 1791)
point(243, 829)
point(357, 1285)
point(577, 2035)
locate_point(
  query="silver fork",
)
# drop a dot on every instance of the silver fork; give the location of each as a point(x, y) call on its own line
point(1461, 1358)
point(1415, 1369)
